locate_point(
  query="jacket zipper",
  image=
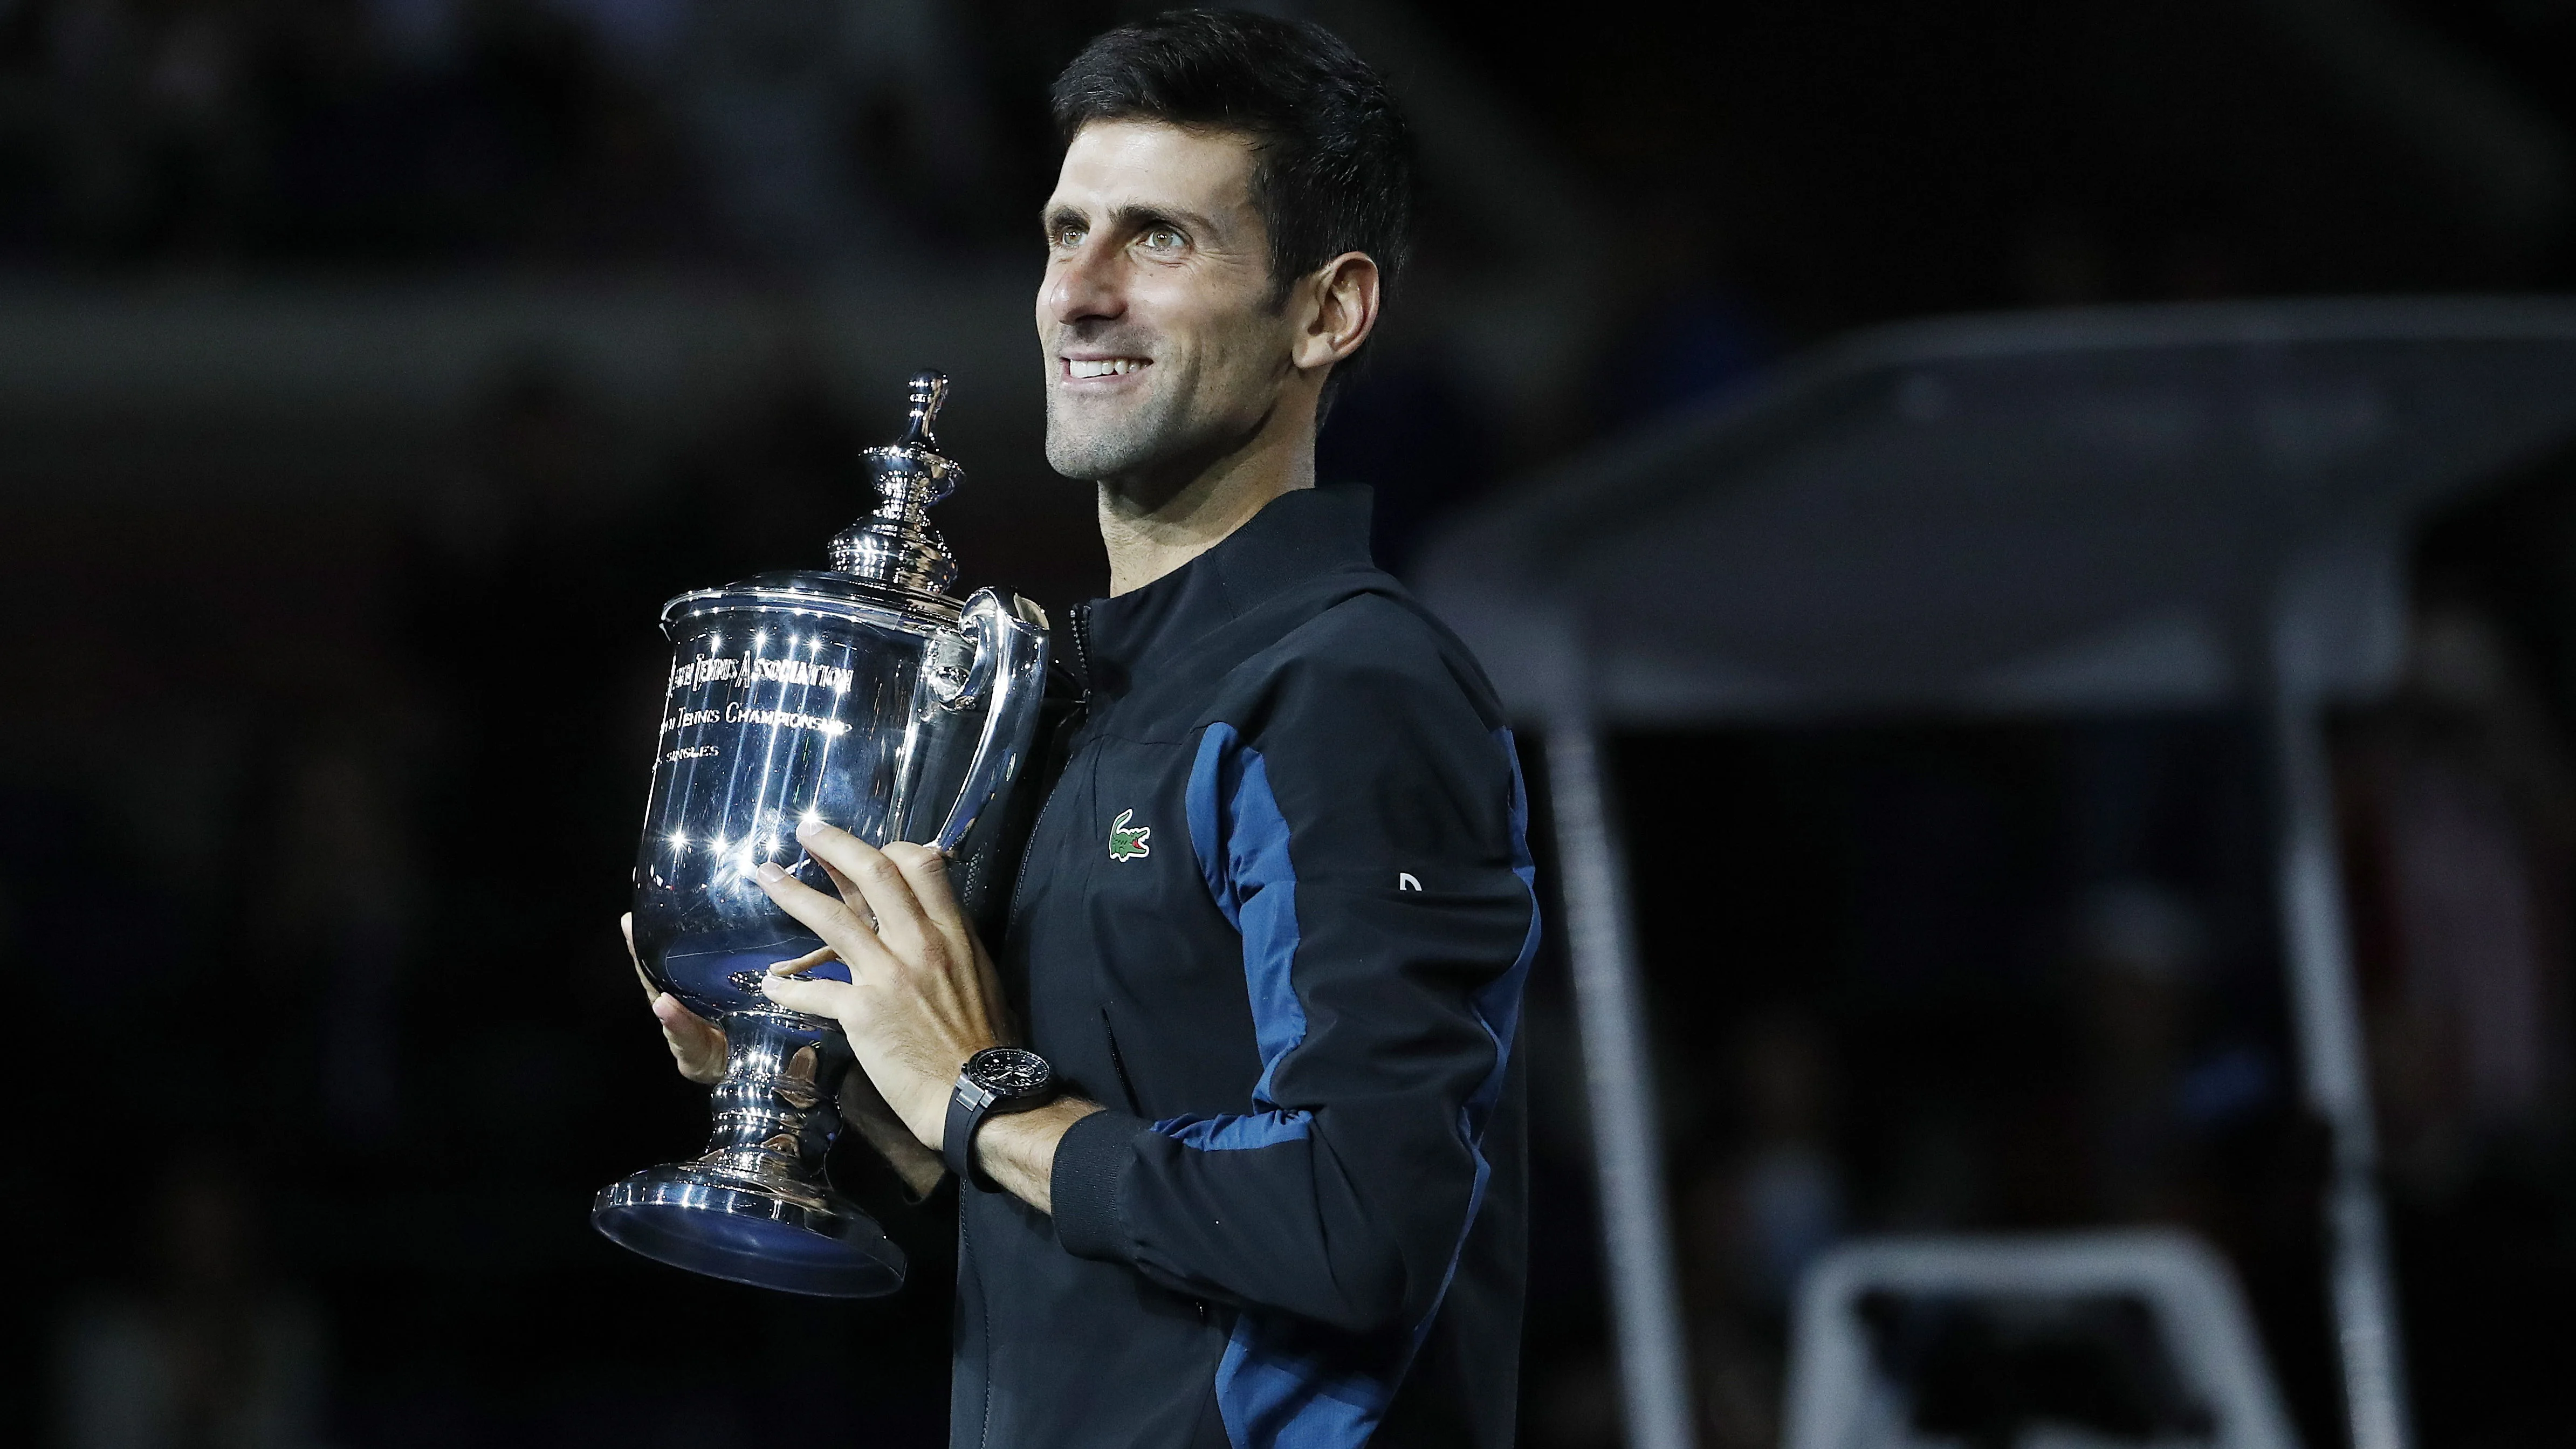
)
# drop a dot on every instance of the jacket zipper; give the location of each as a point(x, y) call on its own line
point(1082, 644)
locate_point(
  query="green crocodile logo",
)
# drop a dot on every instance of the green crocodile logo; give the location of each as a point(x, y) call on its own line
point(1127, 842)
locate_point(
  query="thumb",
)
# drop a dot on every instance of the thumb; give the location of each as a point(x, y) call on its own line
point(697, 1045)
point(626, 928)
point(812, 995)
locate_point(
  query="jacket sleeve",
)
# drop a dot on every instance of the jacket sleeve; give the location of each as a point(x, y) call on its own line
point(1364, 830)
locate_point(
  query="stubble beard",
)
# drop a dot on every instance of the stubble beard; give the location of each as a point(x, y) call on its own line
point(1112, 445)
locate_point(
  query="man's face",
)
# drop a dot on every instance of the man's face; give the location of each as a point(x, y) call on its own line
point(1162, 348)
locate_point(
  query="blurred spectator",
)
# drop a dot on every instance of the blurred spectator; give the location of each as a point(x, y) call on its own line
point(208, 132)
point(537, 454)
point(512, 139)
point(1407, 428)
point(2138, 948)
point(127, 128)
point(1687, 335)
point(528, 638)
point(212, 1351)
point(767, 485)
point(2204, 264)
point(2170, 974)
point(1788, 1189)
point(1754, 1219)
point(2064, 258)
point(332, 931)
point(2059, 261)
point(2459, 817)
point(830, 129)
point(1574, 1403)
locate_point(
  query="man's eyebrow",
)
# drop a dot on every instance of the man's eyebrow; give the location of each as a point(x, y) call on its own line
point(1132, 218)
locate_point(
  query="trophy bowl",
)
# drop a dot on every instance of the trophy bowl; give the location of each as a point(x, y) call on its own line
point(864, 696)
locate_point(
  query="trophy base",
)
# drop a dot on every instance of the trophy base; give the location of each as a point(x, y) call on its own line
point(727, 1225)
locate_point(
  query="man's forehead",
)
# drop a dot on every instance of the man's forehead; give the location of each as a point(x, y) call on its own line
point(1149, 165)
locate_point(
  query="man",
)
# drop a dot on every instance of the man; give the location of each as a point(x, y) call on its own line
point(1274, 918)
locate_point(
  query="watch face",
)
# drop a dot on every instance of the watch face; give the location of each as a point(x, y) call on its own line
point(1009, 1072)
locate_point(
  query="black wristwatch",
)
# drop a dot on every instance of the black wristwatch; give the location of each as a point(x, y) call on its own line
point(995, 1081)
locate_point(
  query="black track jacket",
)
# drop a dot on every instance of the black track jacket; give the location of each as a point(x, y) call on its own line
point(1275, 915)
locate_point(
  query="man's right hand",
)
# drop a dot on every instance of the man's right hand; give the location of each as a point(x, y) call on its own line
point(697, 1044)
point(698, 1048)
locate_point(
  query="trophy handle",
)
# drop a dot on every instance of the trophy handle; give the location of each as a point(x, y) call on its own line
point(1009, 676)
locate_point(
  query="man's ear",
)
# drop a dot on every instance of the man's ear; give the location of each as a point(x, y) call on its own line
point(1340, 310)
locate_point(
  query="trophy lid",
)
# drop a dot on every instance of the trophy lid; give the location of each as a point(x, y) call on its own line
point(891, 566)
point(895, 545)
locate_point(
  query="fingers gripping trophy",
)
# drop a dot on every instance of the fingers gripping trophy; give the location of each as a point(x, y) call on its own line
point(865, 696)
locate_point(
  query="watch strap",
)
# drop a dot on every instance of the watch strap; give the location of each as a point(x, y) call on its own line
point(968, 1106)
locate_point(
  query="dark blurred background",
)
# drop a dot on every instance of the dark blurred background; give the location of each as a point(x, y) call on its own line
point(370, 370)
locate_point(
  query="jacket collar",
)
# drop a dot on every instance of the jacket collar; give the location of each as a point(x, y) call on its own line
point(1295, 538)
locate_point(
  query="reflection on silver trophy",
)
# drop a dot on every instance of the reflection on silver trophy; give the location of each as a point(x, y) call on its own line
point(865, 696)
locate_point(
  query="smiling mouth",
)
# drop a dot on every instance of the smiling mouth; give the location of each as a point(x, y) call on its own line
point(1083, 367)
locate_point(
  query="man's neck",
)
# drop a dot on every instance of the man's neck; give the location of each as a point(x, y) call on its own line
point(1150, 533)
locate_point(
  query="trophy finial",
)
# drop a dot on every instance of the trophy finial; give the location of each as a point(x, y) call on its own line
point(929, 391)
point(895, 543)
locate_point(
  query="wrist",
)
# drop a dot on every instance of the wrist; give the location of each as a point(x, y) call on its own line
point(995, 1083)
point(928, 1109)
point(925, 1108)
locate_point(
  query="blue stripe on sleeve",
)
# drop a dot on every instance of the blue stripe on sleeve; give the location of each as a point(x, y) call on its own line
point(1241, 840)
point(1275, 1391)
point(1202, 802)
point(1498, 1006)
point(1282, 1384)
point(1233, 1133)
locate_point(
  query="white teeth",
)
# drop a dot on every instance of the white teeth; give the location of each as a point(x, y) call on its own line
point(1102, 366)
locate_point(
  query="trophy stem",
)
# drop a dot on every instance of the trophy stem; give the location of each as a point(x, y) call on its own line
point(757, 1208)
point(778, 1107)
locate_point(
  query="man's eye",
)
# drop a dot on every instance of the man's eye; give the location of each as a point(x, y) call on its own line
point(1067, 236)
point(1162, 238)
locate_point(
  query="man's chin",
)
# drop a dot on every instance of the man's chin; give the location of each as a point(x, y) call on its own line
point(1090, 447)
point(1088, 460)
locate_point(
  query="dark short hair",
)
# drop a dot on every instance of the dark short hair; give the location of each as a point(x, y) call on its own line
point(1332, 156)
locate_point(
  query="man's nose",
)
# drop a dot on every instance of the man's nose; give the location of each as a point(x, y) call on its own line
point(1084, 286)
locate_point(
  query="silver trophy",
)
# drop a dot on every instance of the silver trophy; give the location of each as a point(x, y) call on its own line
point(867, 697)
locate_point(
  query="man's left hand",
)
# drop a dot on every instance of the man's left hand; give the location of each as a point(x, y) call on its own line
point(921, 997)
